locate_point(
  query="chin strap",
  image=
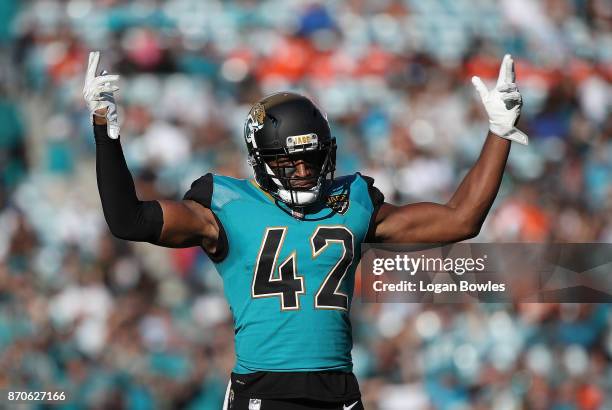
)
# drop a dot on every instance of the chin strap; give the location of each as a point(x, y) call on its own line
point(299, 197)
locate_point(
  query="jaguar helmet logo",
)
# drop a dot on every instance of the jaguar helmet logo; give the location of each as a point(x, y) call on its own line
point(258, 113)
point(255, 121)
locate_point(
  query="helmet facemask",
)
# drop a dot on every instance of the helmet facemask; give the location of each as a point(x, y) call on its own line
point(275, 170)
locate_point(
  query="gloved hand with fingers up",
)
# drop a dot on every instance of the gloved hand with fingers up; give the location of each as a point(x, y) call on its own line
point(503, 103)
point(98, 94)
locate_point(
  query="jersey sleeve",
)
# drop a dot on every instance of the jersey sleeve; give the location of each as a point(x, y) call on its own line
point(377, 198)
point(201, 191)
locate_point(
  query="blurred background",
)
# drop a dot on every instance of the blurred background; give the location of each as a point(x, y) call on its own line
point(126, 325)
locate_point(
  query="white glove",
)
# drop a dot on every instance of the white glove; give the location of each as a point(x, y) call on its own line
point(503, 103)
point(98, 94)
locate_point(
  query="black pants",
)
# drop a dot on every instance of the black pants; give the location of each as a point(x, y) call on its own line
point(329, 390)
point(239, 403)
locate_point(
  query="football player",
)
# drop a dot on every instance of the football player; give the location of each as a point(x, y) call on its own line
point(286, 242)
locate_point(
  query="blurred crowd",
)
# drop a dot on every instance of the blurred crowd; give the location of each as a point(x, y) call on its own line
point(126, 325)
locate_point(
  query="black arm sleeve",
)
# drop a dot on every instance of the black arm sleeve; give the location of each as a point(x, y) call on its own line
point(127, 217)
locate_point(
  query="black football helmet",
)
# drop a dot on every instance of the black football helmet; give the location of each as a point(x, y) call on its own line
point(286, 127)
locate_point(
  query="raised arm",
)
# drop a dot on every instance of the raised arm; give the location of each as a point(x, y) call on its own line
point(463, 215)
point(458, 219)
point(167, 223)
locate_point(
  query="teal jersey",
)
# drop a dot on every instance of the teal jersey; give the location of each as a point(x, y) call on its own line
point(289, 281)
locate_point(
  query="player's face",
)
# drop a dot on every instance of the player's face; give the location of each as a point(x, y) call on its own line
point(301, 170)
